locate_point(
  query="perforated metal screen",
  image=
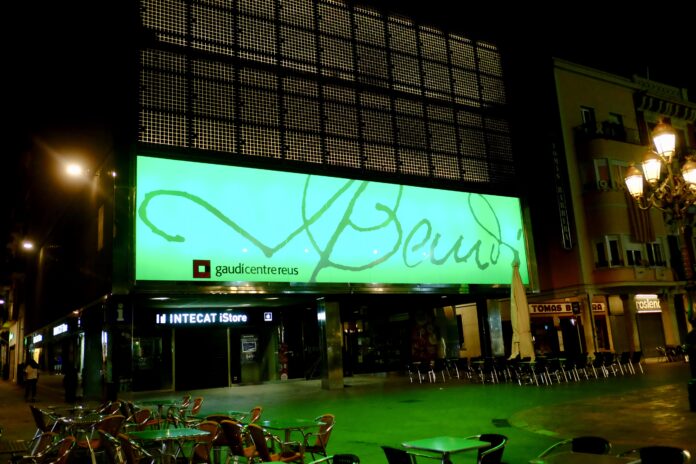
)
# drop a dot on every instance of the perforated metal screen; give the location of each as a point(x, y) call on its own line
point(321, 82)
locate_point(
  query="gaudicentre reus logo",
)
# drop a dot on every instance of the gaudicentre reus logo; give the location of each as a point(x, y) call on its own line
point(201, 269)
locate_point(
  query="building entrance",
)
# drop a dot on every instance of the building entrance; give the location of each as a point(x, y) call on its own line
point(201, 358)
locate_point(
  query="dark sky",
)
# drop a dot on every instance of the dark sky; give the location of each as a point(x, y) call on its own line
point(62, 52)
point(618, 37)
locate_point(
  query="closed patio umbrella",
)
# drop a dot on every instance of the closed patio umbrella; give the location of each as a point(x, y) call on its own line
point(522, 344)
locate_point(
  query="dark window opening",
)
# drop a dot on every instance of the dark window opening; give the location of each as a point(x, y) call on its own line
point(601, 255)
point(614, 253)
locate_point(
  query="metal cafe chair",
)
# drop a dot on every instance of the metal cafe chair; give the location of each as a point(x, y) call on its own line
point(492, 454)
point(315, 441)
point(582, 444)
point(660, 455)
point(338, 459)
point(258, 436)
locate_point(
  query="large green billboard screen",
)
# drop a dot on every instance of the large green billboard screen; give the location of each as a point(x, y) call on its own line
point(205, 222)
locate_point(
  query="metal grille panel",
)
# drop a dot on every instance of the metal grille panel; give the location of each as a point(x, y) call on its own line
point(323, 82)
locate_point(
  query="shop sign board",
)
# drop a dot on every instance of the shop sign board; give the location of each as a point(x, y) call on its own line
point(215, 223)
point(598, 307)
point(572, 307)
point(60, 329)
point(648, 304)
point(201, 318)
point(551, 308)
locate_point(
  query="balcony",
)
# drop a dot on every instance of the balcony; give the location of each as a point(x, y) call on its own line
point(607, 130)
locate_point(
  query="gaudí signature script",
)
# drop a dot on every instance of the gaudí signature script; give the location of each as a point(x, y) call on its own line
point(413, 247)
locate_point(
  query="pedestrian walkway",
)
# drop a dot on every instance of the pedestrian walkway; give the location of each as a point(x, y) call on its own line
point(375, 410)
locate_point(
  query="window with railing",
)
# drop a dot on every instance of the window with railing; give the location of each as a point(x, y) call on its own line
point(655, 254)
point(633, 258)
point(608, 252)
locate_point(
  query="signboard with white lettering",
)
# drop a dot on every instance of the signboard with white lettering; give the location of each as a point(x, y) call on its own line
point(60, 329)
point(572, 307)
point(551, 308)
point(216, 223)
point(201, 318)
point(648, 305)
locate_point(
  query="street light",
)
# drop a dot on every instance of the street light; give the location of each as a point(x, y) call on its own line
point(675, 195)
point(672, 193)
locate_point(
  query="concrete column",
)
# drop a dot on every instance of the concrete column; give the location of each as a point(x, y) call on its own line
point(630, 321)
point(92, 371)
point(496, 328)
point(588, 327)
point(331, 336)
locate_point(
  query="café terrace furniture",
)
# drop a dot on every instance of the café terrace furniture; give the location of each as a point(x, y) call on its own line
point(635, 361)
point(13, 448)
point(133, 452)
point(45, 422)
point(162, 419)
point(445, 446)
point(56, 453)
point(87, 432)
point(189, 418)
point(583, 444)
point(657, 454)
point(233, 433)
point(201, 451)
point(171, 440)
point(286, 454)
point(315, 442)
point(220, 440)
point(337, 459)
point(397, 455)
point(493, 453)
point(254, 415)
point(139, 420)
point(572, 457)
point(287, 426)
point(45, 440)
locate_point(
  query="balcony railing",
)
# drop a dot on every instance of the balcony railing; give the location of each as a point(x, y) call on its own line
point(609, 131)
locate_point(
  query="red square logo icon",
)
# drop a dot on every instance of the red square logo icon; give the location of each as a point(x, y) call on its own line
point(201, 269)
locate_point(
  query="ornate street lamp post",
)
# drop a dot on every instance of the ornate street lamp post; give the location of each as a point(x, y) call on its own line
point(672, 191)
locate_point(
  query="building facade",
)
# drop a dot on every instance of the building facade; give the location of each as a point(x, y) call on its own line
point(250, 135)
point(612, 277)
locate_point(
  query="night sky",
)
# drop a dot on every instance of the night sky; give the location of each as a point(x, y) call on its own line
point(61, 56)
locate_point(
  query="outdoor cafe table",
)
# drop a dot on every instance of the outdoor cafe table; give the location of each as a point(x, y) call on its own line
point(160, 403)
point(569, 457)
point(233, 414)
point(288, 425)
point(445, 446)
point(168, 437)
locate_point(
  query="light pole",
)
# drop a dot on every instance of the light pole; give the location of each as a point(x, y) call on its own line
point(673, 191)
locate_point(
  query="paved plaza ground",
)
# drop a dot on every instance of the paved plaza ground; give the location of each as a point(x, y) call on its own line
point(386, 409)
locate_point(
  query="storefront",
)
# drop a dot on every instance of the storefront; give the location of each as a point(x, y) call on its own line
point(558, 326)
point(649, 316)
point(234, 265)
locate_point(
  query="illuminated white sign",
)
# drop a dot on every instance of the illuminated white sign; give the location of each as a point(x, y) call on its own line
point(37, 339)
point(550, 308)
point(59, 329)
point(201, 318)
point(268, 317)
point(647, 304)
point(560, 308)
